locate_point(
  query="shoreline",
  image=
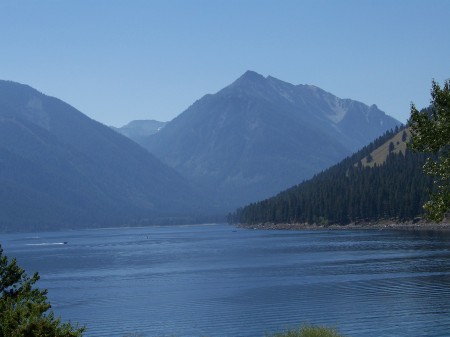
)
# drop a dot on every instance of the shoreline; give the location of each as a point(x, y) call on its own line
point(381, 225)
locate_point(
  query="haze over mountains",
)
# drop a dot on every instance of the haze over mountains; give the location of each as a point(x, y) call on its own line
point(261, 135)
point(252, 139)
point(138, 130)
point(59, 168)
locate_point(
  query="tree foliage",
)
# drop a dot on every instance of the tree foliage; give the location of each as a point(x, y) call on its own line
point(308, 331)
point(430, 130)
point(24, 309)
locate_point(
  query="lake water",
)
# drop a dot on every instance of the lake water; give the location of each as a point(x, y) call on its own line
point(221, 281)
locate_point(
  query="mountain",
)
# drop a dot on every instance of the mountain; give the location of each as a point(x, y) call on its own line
point(357, 189)
point(261, 135)
point(61, 169)
point(138, 130)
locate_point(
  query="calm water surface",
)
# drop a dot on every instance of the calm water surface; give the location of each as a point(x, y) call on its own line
point(221, 281)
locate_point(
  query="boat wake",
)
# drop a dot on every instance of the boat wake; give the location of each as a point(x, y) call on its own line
point(47, 244)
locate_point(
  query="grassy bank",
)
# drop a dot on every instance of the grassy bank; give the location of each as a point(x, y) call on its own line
point(308, 331)
point(380, 225)
point(303, 331)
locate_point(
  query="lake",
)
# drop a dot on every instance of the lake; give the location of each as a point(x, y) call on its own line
point(217, 280)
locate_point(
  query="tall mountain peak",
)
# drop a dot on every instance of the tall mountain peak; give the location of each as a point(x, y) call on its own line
point(259, 135)
point(249, 78)
point(251, 75)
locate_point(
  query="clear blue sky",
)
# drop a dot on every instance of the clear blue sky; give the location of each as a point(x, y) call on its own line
point(119, 60)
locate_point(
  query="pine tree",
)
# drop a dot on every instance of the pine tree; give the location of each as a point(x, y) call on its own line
point(24, 309)
point(391, 147)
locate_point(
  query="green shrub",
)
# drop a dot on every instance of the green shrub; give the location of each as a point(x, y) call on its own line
point(308, 331)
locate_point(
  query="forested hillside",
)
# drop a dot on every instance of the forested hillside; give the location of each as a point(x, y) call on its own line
point(352, 191)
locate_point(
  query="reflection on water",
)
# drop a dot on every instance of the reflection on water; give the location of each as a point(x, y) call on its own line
point(219, 281)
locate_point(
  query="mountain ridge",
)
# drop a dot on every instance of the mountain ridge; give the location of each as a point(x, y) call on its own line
point(138, 130)
point(88, 174)
point(260, 135)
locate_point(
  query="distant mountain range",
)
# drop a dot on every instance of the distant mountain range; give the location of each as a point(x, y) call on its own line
point(383, 181)
point(252, 139)
point(138, 130)
point(261, 135)
point(61, 169)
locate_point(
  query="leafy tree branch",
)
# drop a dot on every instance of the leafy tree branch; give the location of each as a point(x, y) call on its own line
point(430, 129)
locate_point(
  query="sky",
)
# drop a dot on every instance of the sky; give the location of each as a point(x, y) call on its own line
point(122, 60)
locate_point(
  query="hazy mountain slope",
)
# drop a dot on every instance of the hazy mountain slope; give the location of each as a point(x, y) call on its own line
point(60, 168)
point(260, 135)
point(139, 130)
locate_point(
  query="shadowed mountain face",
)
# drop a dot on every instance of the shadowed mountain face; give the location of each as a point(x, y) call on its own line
point(59, 168)
point(261, 135)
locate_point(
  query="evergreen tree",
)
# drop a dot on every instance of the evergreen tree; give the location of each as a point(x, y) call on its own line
point(24, 310)
point(391, 147)
point(404, 136)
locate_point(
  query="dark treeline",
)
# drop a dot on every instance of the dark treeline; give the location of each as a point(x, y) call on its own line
point(350, 192)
